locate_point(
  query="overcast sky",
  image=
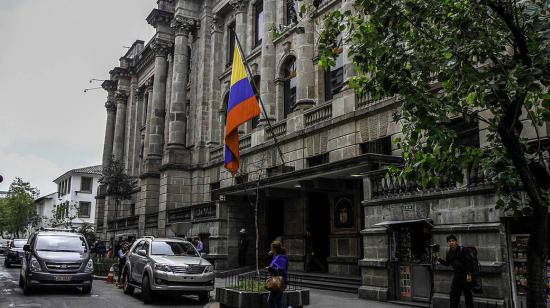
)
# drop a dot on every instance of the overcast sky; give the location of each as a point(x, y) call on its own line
point(49, 50)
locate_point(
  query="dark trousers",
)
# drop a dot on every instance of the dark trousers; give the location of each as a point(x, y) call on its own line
point(242, 257)
point(458, 287)
point(121, 263)
point(275, 299)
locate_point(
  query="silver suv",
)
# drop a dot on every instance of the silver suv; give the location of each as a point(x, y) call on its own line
point(167, 264)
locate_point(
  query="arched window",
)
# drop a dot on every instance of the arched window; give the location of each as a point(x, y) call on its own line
point(289, 79)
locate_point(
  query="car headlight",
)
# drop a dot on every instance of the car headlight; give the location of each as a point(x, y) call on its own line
point(209, 269)
point(90, 266)
point(163, 267)
point(35, 265)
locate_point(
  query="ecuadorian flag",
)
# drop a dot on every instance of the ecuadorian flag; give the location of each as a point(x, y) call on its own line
point(242, 106)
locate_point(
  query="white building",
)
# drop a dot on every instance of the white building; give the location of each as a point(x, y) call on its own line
point(45, 207)
point(75, 197)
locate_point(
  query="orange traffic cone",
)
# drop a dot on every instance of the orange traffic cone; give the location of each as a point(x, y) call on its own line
point(111, 276)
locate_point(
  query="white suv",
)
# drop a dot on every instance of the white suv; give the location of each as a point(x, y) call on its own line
point(167, 265)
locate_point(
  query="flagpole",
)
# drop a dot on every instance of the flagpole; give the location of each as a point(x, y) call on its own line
point(243, 58)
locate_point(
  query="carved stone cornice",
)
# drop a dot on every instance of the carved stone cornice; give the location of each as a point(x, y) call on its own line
point(183, 25)
point(240, 6)
point(158, 17)
point(110, 106)
point(119, 72)
point(109, 85)
point(121, 97)
point(140, 92)
point(161, 47)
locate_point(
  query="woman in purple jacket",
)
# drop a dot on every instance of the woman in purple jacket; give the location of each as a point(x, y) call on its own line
point(278, 266)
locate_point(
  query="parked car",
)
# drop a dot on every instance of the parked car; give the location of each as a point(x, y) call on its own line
point(15, 252)
point(4, 243)
point(56, 258)
point(167, 265)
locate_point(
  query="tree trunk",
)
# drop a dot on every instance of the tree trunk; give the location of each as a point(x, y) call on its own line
point(509, 130)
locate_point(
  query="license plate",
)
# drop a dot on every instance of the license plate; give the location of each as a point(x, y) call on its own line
point(62, 278)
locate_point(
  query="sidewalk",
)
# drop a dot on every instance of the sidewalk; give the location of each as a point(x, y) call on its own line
point(332, 299)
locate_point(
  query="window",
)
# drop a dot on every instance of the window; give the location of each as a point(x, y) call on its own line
point(230, 43)
point(254, 121)
point(84, 209)
point(334, 76)
point(467, 133)
point(86, 184)
point(292, 9)
point(223, 115)
point(138, 246)
point(289, 78)
point(259, 22)
point(378, 146)
point(68, 186)
point(133, 209)
point(317, 160)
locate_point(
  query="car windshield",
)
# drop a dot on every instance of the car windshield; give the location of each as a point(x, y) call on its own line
point(19, 243)
point(61, 243)
point(173, 249)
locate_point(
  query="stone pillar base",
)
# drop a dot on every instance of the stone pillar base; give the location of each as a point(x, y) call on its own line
point(304, 104)
point(151, 167)
point(374, 293)
point(175, 156)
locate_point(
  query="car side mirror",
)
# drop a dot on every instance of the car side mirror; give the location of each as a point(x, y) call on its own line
point(142, 253)
point(26, 247)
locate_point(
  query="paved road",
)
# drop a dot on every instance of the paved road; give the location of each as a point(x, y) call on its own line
point(103, 296)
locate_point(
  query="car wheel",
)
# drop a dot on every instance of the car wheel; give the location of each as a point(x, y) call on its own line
point(204, 297)
point(146, 292)
point(128, 289)
point(86, 289)
point(26, 288)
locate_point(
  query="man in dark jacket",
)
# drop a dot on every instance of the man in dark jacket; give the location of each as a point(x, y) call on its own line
point(458, 258)
point(243, 247)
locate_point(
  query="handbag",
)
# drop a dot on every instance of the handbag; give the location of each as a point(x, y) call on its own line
point(275, 284)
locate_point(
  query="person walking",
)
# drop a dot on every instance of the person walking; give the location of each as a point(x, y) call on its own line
point(243, 247)
point(198, 244)
point(463, 266)
point(277, 267)
point(122, 252)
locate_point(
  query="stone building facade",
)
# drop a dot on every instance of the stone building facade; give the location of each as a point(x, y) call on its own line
point(165, 120)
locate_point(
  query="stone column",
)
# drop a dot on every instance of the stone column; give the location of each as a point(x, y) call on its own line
point(109, 132)
point(349, 67)
point(156, 117)
point(305, 71)
point(240, 7)
point(147, 110)
point(216, 66)
point(178, 108)
point(120, 123)
point(268, 64)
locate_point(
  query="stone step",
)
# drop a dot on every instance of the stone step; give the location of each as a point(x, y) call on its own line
point(330, 285)
point(354, 280)
point(410, 304)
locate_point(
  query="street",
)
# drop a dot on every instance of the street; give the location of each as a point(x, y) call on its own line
point(103, 295)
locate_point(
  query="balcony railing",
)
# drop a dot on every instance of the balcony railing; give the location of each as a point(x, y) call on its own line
point(279, 129)
point(245, 142)
point(385, 185)
point(318, 114)
point(368, 100)
point(216, 153)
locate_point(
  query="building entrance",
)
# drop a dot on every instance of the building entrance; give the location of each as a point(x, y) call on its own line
point(318, 240)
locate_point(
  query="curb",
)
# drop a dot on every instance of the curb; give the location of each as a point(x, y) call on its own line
point(96, 277)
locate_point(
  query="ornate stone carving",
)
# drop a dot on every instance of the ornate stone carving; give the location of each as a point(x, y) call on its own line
point(215, 26)
point(161, 47)
point(110, 106)
point(183, 25)
point(149, 85)
point(157, 17)
point(109, 85)
point(121, 97)
point(239, 6)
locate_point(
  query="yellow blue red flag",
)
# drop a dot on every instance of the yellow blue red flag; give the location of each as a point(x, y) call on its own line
point(242, 106)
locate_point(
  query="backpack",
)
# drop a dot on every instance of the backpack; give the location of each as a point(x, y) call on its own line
point(471, 254)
